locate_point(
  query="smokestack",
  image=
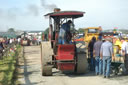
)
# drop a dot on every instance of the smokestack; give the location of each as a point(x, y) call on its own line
point(46, 6)
point(57, 9)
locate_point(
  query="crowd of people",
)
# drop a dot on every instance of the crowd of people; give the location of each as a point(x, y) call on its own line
point(101, 55)
point(30, 40)
point(100, 51)
point(4, 42)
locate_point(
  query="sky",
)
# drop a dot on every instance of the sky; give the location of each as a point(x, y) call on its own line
point(29, 14)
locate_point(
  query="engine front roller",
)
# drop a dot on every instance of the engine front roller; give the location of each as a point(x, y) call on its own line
point(82, 63)
point(46, 58)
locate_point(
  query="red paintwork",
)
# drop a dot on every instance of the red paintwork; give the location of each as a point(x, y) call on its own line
point(80, 39)
point(65, 52)
point(67, 13)
point(104, 37)
point(56, 37)
point(66, 66)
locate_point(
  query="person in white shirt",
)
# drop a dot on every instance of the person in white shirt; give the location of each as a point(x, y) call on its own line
point(11, 41)
point(125, 54)
point(19, 39)
point(106, 54)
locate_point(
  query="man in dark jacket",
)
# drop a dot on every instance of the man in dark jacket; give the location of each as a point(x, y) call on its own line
point(90, 49)
point(1, 48)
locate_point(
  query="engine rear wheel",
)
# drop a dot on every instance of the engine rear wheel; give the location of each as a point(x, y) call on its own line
point(46, 58)
point(82, 64)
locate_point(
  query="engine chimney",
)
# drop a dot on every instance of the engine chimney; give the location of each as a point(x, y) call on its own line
point(57, 9)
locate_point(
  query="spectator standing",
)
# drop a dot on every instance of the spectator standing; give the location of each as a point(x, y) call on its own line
point(19, 40)
point(1, 48)
point(39, 40)
point(35, 40)
point(11, 41)
point(106, 53)
point(1, 45)
point(4, 43)
point(90, 49)
point(96, 53)
point(125, 54)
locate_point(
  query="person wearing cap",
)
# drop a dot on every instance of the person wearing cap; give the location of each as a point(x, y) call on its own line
point(106, 53)
point(124, 49)
point(96, 53)
point(65, 34)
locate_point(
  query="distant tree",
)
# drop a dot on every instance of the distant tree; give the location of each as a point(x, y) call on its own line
point(11, 30)
point(124, 31)
point(46, 31)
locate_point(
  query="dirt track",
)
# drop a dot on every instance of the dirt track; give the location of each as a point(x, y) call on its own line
point(32, 73)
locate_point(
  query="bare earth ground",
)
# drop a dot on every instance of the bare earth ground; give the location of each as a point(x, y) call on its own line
point(32, 73)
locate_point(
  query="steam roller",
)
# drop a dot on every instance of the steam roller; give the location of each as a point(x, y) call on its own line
point(65, 57)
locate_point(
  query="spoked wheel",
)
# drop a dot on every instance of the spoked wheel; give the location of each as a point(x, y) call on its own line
point(82, 64)
point(46, 58)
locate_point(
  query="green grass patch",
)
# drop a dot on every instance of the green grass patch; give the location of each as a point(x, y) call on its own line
point(7, 68)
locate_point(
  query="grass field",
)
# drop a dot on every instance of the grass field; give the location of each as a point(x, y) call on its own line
point(7, 68)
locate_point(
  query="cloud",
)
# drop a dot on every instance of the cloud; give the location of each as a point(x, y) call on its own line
point(12, 13)
point(8, 14)
point(33, 9)
point(1, 12)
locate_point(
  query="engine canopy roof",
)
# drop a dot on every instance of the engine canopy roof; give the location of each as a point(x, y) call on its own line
point(66, 14)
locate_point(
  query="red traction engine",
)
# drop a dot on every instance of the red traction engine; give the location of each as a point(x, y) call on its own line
point(65, 57)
